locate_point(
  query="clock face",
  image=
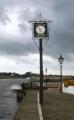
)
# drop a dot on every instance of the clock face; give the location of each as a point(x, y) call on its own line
point(40, 29)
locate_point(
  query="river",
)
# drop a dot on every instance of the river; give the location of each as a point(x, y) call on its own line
point(8, 103)
point(69, 89)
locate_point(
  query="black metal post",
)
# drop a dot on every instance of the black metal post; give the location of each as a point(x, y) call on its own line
point(41, 72)
point(61, 78)
point(46, 73)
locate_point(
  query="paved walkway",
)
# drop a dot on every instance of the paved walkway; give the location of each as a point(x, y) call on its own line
point(58, 106)
point(28, 110)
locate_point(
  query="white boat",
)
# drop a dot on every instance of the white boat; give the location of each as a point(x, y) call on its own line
point(16, 87)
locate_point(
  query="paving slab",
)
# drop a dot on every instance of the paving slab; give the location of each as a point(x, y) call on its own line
point(28, 109)
point(58, 106)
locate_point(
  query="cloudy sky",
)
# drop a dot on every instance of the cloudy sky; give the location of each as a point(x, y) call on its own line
point(18, 52)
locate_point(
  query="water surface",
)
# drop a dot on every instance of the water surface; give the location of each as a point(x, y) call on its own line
point(69, 89)
point(8, 102)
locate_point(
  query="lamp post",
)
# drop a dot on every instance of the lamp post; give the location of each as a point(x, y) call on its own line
point(61, 59)
point(46, 73)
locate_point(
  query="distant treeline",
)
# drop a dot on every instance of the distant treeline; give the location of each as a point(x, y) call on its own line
point(16, 75)
point(30, 74)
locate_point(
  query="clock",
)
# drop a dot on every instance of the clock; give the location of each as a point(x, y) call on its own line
point(40, 29)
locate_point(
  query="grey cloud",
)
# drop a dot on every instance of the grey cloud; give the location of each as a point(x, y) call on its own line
point(5, 4)
point(62, 32)
point(16, 48)
point(22, 27)
point(62, 40)
point(3, 15)
point(10, 3)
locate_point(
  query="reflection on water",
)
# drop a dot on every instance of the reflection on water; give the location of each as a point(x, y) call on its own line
point(69, 89)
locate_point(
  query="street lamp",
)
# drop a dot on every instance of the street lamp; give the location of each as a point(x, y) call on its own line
point(61, 59)
point(46, 73)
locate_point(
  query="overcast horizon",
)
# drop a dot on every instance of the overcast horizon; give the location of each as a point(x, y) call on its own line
point(18, 52)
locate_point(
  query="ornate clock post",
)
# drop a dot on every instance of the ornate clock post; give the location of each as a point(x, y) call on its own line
point(40, 31)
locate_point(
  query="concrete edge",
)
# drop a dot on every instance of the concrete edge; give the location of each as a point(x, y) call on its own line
point(39, 108)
